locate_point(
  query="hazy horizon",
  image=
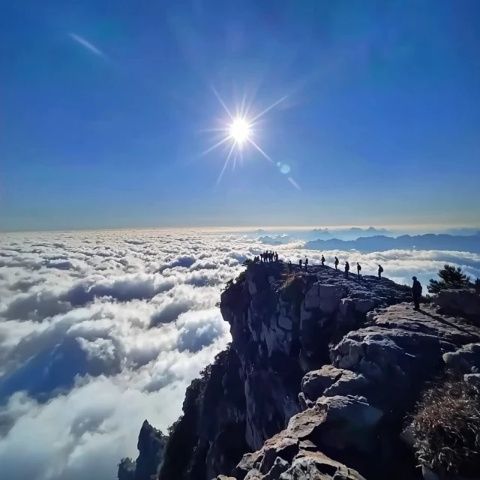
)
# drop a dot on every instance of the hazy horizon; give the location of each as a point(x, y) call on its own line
point(415, 228)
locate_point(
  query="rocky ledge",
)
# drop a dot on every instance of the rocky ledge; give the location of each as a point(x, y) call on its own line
point(320, 379)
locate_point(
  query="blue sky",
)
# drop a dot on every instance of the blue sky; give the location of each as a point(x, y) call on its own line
point(104, 107)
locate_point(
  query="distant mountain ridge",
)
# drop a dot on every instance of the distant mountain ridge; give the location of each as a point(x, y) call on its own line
point(429, 241)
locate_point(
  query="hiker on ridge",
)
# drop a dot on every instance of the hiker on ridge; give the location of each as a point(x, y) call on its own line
point(416, 293)
point(380, 271)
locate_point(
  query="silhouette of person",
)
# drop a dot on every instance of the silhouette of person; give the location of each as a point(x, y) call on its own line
point(359, 269)
point(306, 263)
point(416, 293)
point(289, 265)
point(347, 269)
point(323, 260)
point(336, 263)
point(300, 263)
point(380, 271)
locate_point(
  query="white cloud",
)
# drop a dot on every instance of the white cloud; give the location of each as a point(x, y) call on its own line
point(86, 44)
point(100, 330)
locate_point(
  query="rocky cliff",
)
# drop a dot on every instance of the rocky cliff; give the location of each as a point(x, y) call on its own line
point(318, 381)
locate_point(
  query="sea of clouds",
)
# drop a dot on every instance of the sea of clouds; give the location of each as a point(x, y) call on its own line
point(100, 330)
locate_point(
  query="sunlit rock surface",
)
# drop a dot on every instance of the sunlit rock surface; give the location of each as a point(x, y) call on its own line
point(318, 380)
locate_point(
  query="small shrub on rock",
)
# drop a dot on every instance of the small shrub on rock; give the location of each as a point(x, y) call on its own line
point(446, 429)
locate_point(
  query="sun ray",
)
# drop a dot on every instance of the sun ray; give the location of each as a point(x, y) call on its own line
point(222, 103)
point(294, 183)
point(214, 129)
point(243, 110)
point(213, 147)
point(260, 150)
point(226, 163)
point(234, 165)
point(273, 105)
point(241, 131)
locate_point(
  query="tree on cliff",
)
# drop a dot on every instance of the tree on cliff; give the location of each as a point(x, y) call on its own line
point(450, 278)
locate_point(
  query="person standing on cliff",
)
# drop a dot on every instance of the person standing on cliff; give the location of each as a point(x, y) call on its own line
point(300, 263)
point(359, 269)
point(380, 271)
point(323, 260)
point(306, 263)
point(416, 293)
point(347, 269)
point(336, 263)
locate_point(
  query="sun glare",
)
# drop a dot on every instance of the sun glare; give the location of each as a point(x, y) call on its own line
point(240, 130)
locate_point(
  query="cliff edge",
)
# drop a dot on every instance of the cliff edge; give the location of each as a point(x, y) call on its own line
point(319, 380)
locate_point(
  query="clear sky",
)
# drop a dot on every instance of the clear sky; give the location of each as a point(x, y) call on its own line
point(106, 106)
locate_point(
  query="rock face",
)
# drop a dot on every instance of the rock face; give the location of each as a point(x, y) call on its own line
point(151, 447)
point(464, 302)
point(317, 382)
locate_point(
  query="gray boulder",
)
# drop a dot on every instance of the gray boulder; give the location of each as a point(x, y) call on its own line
point(337, 423)
point(324, 297)
point(401, 348)
point(285, 457)
point(330, 380)
point(464, 360)
point(464, 302)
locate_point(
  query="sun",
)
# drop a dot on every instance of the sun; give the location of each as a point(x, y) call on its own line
point(240, 130)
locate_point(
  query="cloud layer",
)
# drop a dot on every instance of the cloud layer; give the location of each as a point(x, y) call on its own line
point(100, 330)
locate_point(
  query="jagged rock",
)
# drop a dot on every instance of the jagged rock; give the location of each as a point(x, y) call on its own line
point(151, 446)
point(330, 380)
point(306, 466)
point(337, 422)
point(315, 465)
point(287, 456)
point(126, 469)
point(463, 302)
point(324, 297)
point(464, 360)
point(315, 382)
point(210, 437)
point(401, 347)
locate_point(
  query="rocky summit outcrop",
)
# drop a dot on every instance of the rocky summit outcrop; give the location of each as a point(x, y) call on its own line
point(318, 382)
point(151, 446)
